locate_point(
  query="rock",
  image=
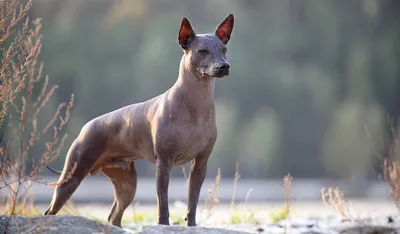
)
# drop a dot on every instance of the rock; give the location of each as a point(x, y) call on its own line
point(368, 229)
point(66, 224)
point(162, 229)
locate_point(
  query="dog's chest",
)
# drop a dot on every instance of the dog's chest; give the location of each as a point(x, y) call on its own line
point(183, 141)
point(194, 136)
point(192, 141)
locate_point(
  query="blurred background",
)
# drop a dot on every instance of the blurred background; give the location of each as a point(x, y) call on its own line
point(314, 88)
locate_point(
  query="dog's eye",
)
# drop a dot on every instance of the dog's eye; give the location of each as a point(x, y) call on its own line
point(203, 51)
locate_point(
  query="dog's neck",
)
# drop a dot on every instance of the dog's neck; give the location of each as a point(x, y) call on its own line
point(197, 92)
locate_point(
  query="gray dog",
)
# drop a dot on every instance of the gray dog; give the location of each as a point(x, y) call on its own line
point(171, 129)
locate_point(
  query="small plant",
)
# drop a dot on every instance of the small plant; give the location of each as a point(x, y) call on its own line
point(287, 181)
point(235, 219)
point(177, 220)
point(284, 212)
point(235, 182)
point(212, 196)
point(69, 209)
point(23, 210)
point(391, 174)
point(390, 167)
point(139, 217)
point(27, 208)
point(278, 215)
point(242, 216)
point(333, 197)
point(142, 218)
point(24, 94)
point(239, 214)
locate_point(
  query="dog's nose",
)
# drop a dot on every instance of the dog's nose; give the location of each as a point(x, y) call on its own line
point(224, 67)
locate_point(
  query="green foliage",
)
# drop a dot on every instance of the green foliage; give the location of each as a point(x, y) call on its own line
point(242, 216)
point(295, 66)
point(144, 217)
point(177, 220)
point(279, 215)
point(235, 219)
point(24, 210)
point(140, 218)
point(70, 209)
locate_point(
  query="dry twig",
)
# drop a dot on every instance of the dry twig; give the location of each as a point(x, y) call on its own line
point(21, 79)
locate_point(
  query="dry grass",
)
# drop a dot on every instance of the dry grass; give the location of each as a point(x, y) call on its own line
point(235, 182)
point(185, 176)
point(24, 94)
point(244, 214)
point(334, 198)
point(287, 181)
point(212, 196)
point(391, 174)
point(284, 213)
point(390, 165)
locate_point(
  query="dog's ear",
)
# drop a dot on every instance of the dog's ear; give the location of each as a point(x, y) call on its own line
point(224, 30)
point(186, 34)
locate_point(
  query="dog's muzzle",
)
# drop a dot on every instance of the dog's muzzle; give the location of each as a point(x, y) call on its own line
point(221, 71)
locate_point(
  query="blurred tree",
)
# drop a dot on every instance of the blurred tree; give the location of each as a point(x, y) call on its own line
point(306, 75)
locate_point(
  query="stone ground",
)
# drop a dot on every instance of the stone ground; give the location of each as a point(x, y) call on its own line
point(306, 217)
point(375, 208)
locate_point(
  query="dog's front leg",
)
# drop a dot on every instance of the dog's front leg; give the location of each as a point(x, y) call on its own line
point(197, 175)
point(163, 169)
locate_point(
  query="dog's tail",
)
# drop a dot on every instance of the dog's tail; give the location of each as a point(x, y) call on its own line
point(53, 185)
point(53, 170)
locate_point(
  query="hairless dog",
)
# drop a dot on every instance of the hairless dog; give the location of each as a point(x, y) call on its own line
point(168, 130)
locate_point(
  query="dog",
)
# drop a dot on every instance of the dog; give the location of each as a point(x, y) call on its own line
point(168, 130)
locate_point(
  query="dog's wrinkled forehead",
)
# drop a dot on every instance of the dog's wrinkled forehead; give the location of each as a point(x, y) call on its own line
point(209, 41)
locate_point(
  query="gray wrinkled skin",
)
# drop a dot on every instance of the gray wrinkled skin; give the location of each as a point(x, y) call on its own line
point(171, 129)
point(206, 65)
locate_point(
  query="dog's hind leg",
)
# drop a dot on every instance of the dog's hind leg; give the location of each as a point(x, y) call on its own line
point(80, 159)
point(124, 191)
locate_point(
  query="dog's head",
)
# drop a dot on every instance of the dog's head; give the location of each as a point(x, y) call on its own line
point(205, 54)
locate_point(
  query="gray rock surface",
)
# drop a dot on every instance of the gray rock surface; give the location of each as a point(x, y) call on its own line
point(337, 225)
point(161, 229)
point(79, 225)
point(368, 230)
point(67, 224)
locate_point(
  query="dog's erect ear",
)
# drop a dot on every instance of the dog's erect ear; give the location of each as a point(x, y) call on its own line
point(224, 30)
point(186, 34)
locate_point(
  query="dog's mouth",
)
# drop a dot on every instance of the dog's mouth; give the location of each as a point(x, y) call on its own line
point(216, 74)
point(220, 73)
